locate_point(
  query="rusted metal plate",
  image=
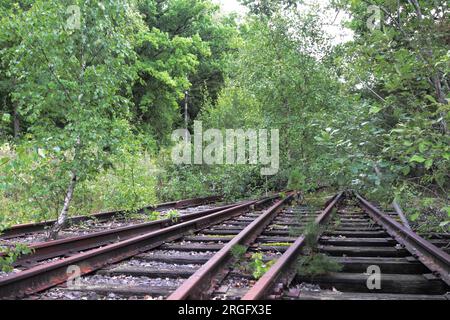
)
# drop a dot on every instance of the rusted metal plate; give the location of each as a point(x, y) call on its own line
point(437, 260)
point(283, 270)
point(201, 282)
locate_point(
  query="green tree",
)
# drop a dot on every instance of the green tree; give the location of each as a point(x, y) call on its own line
point(186, 50)
point(10, 119)
point(401, 67)
point(267, 7)
point(72, 84)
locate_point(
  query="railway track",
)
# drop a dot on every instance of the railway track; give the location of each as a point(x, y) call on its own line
point(227, 275)
point(157, 273)
point(109, 247)
point(69, 246)
point(220, 254)
point(22, 230)
point(379, 259)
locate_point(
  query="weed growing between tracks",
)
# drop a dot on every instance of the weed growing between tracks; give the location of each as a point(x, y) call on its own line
point(279, 244)
point(11, 254)
point(314, 263)
point(173, 215)
point(153, 216)
point(316, 199)
point(256, 266)
point(238, 253)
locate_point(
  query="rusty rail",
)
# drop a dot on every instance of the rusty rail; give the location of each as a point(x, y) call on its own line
point(431, 256)
point(50, 274)
point(283, 271)
point(22, 229)
point(180, 204)
point(200, 284)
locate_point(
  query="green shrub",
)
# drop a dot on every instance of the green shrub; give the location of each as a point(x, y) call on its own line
point(296, 180)
point(238, 251)
point(11, 254)
point(317, 264)
point(154, 215)
point(258, 267)
point(173, 215)
point(29, 190)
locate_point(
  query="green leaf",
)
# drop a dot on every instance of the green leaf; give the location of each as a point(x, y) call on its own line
point(428, 163)
point(414, 216)
point(430, 98)
point(406, 170)
point(6, 117)
point(417, 158)
point(423, 147)
point(374, 110)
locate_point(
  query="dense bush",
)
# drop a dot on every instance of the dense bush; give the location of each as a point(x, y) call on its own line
point(28, 192)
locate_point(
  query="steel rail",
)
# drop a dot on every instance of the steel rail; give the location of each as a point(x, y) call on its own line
point(200, 284)
point(435, 259)
point(283, 271)
point(180, 204)
point(22, 229)
point(50, 274)
point(69, 246)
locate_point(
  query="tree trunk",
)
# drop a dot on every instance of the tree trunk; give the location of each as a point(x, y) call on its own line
point(16, 123)
point(62, 219)
point(440, 95)
point(186, 116)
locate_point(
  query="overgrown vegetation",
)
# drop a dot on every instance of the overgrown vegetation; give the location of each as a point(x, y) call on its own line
point(173, 215)
point(238, 253)
point(255, 265)
point(153, 216)
point(316, 264)
point(9, 254)
point(87, 111)
point(313, 263)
